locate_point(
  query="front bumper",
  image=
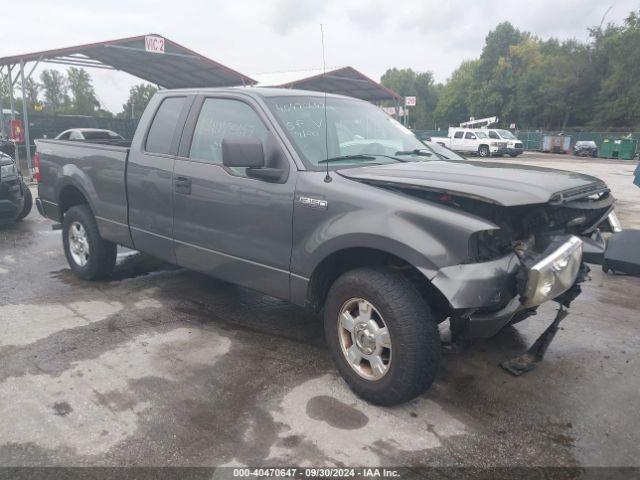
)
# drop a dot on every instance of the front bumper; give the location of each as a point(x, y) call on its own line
point(492, 293)
point(498, 150)
point(11, 200)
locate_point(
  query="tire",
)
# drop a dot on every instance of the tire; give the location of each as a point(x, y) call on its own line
point(28, 202)
point(484, 151)
point(513, 155)
point(99, 254)
point(414, 354)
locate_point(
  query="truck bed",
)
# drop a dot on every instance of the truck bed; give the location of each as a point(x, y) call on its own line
point(99, 167)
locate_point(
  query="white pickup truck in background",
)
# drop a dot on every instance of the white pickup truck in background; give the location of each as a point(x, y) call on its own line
point(514, 145)
point(472, 141)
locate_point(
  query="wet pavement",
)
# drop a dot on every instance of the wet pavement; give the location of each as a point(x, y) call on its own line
point(161, 366)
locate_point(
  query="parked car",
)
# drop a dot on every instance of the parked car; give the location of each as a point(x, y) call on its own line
point(15, 196)
point(514, 145)
point(250, 186)
point(471, 142)
point(88, 134)
point(585, 148)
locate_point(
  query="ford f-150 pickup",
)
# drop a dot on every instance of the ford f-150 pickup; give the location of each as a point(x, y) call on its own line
point(329, 203)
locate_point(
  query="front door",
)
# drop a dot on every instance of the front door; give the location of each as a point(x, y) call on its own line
point(227, 224)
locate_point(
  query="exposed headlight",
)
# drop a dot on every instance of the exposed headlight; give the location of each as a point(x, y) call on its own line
point(554, 274)
point(8, 171)
point(616, 226)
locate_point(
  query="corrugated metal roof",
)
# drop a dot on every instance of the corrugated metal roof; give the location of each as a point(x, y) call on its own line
point(343, 81)
point(177, 67)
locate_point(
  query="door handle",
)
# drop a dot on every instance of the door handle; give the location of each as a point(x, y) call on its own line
point(182, 185)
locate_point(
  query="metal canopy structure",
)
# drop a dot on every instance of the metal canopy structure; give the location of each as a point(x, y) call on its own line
point(343, 81)
point(150, 57)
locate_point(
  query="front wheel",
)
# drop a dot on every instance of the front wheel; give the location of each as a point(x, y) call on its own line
point(483, 151)
point(89, 255)
point(381, 335)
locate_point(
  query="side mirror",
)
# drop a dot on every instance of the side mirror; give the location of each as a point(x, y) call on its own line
point(240, 152)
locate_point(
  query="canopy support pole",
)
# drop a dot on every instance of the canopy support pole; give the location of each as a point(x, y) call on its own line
point(25, 116)
point(12, 102)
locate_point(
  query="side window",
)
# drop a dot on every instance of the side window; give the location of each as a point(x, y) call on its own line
point(458, 135)
point(493, 134)
point(160, 136)
point(75, 135)
point(221, 117)
point(65, 136)
point(470, 136)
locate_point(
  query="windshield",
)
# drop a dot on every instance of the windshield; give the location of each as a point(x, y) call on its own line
point(359, 132)
point(506, 134)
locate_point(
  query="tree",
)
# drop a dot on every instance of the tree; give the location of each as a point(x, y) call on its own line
point(55, 90)
point(139, 96)
point(420, 84)
point(616, 56)
point(83, 96)
point(453, 103)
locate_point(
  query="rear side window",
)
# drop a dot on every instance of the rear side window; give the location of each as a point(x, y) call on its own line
point(160, 136)
point(458, 135)
point(470, 136)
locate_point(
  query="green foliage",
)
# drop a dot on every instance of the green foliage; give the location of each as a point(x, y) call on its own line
point(139, 96)
point(84, 100)
point(408, 83)
point(534, 83)
point(55, 88)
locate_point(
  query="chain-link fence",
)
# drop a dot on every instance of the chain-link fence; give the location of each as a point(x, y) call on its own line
point(532, 140)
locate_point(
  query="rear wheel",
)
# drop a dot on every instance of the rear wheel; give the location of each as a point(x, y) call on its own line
point(88, 254)
point(381, 335)
point(28, 202)
point(483, 151)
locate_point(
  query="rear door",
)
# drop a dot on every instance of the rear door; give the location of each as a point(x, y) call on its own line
point(150, 176)
point(227, 224)
point(457, 141)
point(470, 142)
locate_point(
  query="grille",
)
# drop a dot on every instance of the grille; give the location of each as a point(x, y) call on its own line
point(518, 145)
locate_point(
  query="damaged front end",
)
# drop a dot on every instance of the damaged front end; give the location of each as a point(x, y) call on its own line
point(535, 255)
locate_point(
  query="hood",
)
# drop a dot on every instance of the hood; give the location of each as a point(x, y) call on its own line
point(498, 183)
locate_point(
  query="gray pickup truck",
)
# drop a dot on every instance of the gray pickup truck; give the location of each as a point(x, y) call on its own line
point(327, 202)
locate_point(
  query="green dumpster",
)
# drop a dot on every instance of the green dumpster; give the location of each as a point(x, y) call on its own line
point(622, 148)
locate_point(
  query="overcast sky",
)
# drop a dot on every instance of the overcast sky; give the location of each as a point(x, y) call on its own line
point(283, 35)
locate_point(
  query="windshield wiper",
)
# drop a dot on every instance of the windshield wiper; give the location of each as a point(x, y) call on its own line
point(416, 151)
point(348, 157)
point(360, 156)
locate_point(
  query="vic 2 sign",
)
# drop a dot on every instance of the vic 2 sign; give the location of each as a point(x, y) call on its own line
point(154, 44)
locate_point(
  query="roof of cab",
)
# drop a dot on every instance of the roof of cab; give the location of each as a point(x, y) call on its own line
point(256, 92)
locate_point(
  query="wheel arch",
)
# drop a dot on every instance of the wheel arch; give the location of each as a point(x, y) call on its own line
point(329, 269)
point(70, 195)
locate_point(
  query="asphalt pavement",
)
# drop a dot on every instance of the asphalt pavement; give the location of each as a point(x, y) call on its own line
point(164, 367)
